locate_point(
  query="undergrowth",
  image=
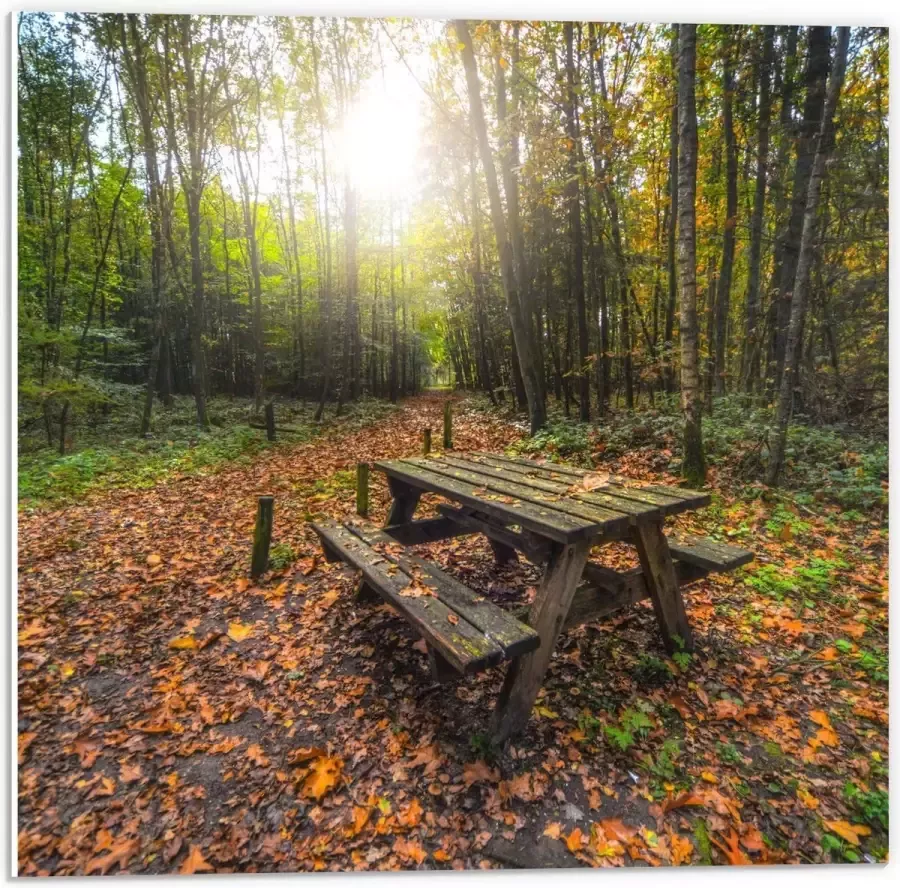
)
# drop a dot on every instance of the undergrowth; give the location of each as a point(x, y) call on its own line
point(108, 452)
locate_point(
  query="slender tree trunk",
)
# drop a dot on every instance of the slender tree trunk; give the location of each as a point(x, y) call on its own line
point(536, 407)
point(823, 147)
point(693, 462)
point(751, 333)
point(723, 297)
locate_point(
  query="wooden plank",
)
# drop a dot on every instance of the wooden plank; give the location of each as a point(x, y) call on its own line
point(603, 594)
point(425, 530)
point(672, 500)
point(467, 648)
point(542, 520)
point(547, 615)
point(662, 583)
point(605, 522)
point(519, 474)
point(535, 549)
point(497, 624)
point(715, 557)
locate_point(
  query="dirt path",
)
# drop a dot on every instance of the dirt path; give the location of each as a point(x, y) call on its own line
point(173, 717)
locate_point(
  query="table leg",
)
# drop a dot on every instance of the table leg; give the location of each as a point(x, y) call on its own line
point(662, 583)
point(548, 613)
point(406, 498)
point(503, 554)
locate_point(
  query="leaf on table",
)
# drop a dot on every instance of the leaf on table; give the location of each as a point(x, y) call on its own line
point(595, 480)
point(452, 618)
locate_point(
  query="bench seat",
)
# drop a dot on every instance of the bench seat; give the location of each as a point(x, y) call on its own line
point(711, 555)
point(465, 632)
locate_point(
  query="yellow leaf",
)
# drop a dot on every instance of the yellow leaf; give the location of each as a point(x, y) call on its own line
point(820, 718)
point(709, 777)
point(503, 63)
point(544, 712)
point(849, 831)
point(553, 830)
point(809, 800)
point(238, 631)
point(154, 559)
point(184, 643)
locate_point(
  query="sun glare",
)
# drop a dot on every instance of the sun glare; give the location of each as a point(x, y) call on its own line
point(379, 141)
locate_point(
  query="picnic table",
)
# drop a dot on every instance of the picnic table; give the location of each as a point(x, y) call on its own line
point(554, 515)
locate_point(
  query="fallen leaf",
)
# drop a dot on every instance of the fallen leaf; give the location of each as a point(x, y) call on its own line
point(323, 776)
point(575, 840)
point(476, 772)
point(120, 854)
point(154, 559)
point(184, 643)
point(238, 631)
point(848, 831)
point(731, 849)
point(553, 830)
point(195, 862)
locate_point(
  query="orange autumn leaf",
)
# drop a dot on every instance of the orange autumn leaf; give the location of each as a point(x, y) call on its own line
point(195, 862)
point(575, 840)
point(732, 850)
point(238, 631)
point(324, 774)
point(682, 849)
point(184, 643)
point(552, 830)
point(475, 772)
point(682, 801)
point(618, 830)
point(850, 832)
point(154, 559)
point(820, 718)
point(120, 854)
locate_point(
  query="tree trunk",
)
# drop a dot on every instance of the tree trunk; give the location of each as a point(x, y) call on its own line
point(693, 461)
point(823, 146)
point(536, 407)
point(673, 223)
point(751, 334)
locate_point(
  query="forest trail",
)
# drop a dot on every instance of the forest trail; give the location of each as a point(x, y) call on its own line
point(173, 717)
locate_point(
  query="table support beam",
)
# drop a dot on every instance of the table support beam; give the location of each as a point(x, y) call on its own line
point(406, 498)
point(662, 584)
point(548, 614)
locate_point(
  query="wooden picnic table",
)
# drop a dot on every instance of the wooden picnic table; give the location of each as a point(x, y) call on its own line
point(555, 515)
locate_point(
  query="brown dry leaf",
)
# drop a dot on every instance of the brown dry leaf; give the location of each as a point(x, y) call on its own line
point(323, 776)
point(595, 480)
point(848, 831)
point(195, 862)
point(360, 819)
point(412, 815)
point(553, 830)
point(476, 772)
point(120, 853)
point(304, 754)
point(257, 756)
point(130, 773)
point(25, 740)
point(620, 831)
point(154, 559)
point(452, 618)
point(682, 801)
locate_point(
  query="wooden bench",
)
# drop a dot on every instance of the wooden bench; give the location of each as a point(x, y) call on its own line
point(605, 591)
point(465, 632)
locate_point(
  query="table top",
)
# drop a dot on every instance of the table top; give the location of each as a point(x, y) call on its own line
point(562, 503)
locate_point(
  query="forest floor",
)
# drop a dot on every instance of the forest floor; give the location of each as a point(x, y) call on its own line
point(174, 717)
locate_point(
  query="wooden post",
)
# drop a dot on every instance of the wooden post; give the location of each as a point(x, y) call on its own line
point(362, 489)
point(262, 535)
point(270, 421)
point(426, 442)
point(448, 426)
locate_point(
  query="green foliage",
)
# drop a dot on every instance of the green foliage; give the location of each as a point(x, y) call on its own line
point(563, 438)
point(632, 724)
point(650, 671)
point(870, 805)
point(281, 555)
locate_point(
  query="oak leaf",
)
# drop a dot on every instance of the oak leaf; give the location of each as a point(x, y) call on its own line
point(732, 850)
point(195, 862)
point(120, 853)
point(323, 776)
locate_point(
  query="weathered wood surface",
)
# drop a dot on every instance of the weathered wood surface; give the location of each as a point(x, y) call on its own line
point(508, 510)
point(405, 500)
point(494, 469)
point(548, 614)
point(605, 523)
point(662, 583)
point(262, 535)
point(463, 645)
point(362, 489)
point(672, 500)
point(427, 530)
point(710, 554)
point(514, 637)
point(534, 548)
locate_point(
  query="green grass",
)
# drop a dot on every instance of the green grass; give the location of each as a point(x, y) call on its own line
point(109, 454)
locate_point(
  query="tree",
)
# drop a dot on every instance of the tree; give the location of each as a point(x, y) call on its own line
point(823, 147)
point(693, 461)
